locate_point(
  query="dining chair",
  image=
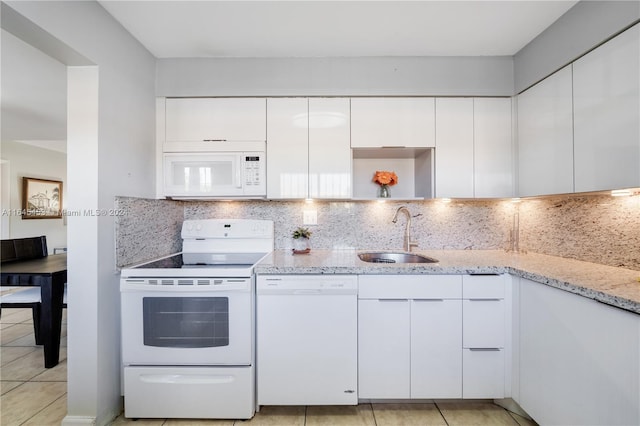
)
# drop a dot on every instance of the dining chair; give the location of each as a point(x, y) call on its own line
point(27, 297)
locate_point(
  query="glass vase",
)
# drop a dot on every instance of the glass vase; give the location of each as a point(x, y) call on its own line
point(384, 191)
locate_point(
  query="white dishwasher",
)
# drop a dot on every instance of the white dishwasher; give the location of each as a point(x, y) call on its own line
point(307, 344)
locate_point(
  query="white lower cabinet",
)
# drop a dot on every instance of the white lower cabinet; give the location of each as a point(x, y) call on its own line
point(409, 336)
point(431, 336)
point(436, 355)
point(384, 354)
point(483, 373)
point(483, 336)
point(483, 324)
point(579, 359)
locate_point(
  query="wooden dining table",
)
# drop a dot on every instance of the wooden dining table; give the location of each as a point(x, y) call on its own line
point(50, 274)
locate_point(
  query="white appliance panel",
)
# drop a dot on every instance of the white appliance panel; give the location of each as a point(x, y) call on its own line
point(307, 341)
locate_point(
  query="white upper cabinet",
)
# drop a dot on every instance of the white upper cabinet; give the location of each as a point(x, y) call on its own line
point(308, 152)
point(473, 148)
point(545, 136)
point(392, 122)
point(287, 148)
point(454, 147)
point(329, 149)
point(207, 120)
point(492, 148)
point(606, 87)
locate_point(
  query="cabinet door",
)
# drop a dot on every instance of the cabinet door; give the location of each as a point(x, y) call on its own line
point(392, 122)
point(287, 148)
point(329, 148)
point(606, 90)
point(454, 147)
point(436, 348)
point(579, 359)
point(483, 373)
point(492, 148)
point(545, 137)
point(383, 349)
point(203, 119)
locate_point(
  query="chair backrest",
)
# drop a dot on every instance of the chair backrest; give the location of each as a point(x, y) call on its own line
point(23, 249)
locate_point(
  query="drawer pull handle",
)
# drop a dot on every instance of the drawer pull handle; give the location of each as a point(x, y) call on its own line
point(484, 275)
point(485, 349)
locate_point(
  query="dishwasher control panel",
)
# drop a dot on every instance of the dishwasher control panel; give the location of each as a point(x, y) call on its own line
point(313, 284)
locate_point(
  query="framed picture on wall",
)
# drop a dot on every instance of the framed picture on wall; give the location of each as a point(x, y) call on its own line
point(41, 199)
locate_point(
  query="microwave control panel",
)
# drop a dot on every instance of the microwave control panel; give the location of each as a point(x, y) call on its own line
point(253, 173)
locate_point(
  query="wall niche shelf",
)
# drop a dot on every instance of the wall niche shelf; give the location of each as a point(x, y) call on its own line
point(414, 167)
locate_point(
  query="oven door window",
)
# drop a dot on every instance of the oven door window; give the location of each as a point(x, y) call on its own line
point(186, 322)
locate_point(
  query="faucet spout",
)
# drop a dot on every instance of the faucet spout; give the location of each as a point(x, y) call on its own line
point(408, 244)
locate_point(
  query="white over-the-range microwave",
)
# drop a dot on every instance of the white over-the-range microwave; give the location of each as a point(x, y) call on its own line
point(213, 174)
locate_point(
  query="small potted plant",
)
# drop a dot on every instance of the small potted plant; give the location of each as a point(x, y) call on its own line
point(301, 240)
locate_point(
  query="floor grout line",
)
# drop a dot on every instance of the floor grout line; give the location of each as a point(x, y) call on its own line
point(441, 413)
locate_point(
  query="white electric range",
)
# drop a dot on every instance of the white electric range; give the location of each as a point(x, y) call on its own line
point(188, 324)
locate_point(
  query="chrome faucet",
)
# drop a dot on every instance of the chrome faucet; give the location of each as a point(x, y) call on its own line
point(408, 244)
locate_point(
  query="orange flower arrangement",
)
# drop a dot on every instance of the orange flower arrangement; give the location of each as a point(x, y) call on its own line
point(385, 178)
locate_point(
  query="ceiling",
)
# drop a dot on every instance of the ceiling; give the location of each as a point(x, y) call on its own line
point(232, 29)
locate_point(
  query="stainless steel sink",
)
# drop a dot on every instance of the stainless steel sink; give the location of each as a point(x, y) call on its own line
point(389, 257)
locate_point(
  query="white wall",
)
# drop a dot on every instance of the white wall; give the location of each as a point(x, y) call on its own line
point(30, 161)
point(34, 93)
point(33, 108)
point(119, 139)
point(428, 76)
point(583, 27)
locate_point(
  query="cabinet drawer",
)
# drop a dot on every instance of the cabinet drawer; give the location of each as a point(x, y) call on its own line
point(483, 286)
point(189, 392)
point(483, 373)
point(409, 286)
point(483, 323)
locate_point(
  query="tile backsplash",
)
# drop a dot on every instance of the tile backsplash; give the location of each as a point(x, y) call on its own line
point(595, 228)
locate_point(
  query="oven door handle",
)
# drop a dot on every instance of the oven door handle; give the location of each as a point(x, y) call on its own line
point(187, 379)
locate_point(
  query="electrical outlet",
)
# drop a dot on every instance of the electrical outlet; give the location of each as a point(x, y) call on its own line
point(310, 217)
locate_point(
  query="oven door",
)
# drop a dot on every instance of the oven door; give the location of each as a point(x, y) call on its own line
point(187, 325)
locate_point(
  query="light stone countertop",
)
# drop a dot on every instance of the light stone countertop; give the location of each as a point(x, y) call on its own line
point(618, 287)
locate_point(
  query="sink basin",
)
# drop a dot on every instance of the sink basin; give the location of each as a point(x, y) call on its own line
point(389, 257)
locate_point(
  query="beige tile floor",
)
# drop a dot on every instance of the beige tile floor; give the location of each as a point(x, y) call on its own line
point(35, 396)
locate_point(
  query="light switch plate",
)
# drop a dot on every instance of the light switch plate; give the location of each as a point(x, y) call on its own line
point(310, 217)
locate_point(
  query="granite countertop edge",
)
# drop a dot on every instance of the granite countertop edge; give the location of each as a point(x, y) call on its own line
point(614, 286)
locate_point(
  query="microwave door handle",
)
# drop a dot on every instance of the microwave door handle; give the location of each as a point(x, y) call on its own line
point(239, 173)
